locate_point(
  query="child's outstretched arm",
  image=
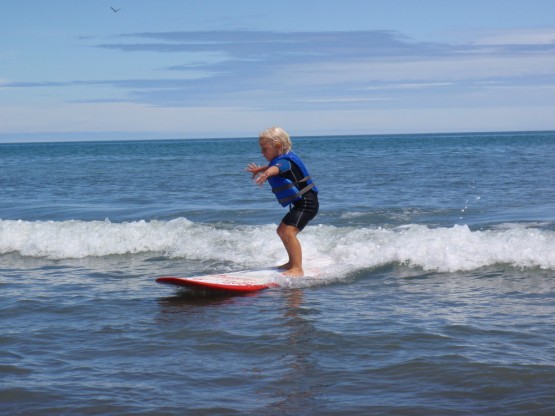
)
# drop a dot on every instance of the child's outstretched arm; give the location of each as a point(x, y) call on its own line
point(262, 177)
point(261, 173)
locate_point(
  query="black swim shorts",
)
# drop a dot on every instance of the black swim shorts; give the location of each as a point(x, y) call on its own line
point(301, 212)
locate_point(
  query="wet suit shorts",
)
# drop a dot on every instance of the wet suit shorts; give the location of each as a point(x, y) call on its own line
point(302, 211)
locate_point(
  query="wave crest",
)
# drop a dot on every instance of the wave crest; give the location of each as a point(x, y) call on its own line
point(435, 249)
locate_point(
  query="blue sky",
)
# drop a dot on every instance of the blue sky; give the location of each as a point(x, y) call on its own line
point(75, 70)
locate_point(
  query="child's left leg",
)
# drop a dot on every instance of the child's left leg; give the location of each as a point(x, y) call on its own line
point(288, 235)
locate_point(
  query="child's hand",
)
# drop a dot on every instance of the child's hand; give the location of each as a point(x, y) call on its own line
point(255, 169)
point(261, 178)
point(259, 174)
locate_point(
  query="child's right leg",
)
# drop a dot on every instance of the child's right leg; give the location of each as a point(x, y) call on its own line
point(293, 223)
point(288, 235)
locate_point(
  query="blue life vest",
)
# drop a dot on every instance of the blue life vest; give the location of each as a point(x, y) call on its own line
point(286, 191)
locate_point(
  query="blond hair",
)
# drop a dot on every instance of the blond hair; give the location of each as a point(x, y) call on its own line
point(277, 136)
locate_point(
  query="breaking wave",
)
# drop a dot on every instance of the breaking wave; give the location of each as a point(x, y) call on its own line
point(446, 249)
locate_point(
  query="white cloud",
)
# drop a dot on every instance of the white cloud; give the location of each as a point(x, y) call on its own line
point(420, 73)
point(517, 37)
point(411, 86)
point(329, 100)
point(440, 69)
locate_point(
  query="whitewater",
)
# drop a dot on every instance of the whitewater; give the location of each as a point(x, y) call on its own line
point(343, 249)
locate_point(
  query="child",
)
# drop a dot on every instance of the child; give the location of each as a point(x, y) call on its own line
point(293, 186)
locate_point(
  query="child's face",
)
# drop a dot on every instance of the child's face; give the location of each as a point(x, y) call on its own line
point(269, 151)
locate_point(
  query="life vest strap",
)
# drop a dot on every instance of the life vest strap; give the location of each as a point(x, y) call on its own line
point(291, 185)
point(298, 194)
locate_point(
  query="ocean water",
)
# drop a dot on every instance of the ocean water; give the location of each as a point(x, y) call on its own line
point(438, 296)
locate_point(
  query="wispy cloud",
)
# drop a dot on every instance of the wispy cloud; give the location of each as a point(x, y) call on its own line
point(311, 67)
point(260, 45)
point(527, 37)
point(409, 86)
point(341, 100)
point(304, 70)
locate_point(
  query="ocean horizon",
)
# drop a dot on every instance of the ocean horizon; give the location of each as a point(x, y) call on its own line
point(88, 137)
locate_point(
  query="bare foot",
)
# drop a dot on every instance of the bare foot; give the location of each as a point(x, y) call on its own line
point(294, 272)
point(285, 266)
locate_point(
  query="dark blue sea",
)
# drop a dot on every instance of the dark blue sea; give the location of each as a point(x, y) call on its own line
point(438, 296)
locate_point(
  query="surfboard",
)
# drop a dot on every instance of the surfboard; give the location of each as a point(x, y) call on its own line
point(235, 282)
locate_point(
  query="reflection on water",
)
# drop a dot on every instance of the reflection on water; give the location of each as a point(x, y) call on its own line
point(189, 298)
point(297, 389)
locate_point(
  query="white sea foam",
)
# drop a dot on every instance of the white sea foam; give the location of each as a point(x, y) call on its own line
point(341, 248)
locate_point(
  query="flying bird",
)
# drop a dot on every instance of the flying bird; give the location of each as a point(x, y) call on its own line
point(115, 10)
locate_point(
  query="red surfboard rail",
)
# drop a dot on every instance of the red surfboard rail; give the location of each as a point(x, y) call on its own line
point(236, 282)
point(227, 283)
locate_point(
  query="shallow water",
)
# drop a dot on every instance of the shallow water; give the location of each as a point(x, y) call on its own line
point(438, 299)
